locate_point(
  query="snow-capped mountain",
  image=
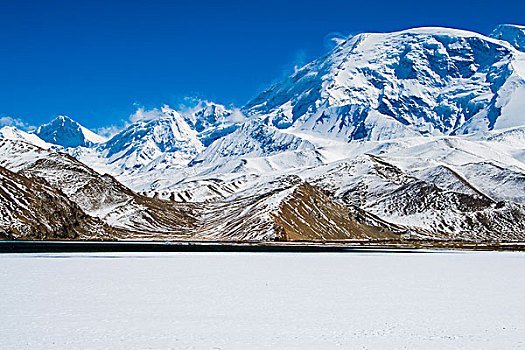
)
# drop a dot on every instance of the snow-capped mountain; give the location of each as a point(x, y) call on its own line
point(252, 139)
point(210, 115)
point(423, 81)
point(65, 132)
point(167, 139)
point(431, 197)
point(213, 121)
point(90, 205)
point(413, 134)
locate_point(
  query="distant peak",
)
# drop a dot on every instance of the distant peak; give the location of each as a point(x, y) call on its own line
point(59, 122)
point(521, 27)
point(13, 133)
point(514, 34)
point(10, 128)
point(66, 132)
point(64, 118)
point(169, 112)
point(212, 109)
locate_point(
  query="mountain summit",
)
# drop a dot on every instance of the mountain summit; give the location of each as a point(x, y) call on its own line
point(167, 138)
point(64, 131)
point(511, 33)
point(422, 81)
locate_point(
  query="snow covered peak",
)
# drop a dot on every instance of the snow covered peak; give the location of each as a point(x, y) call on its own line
point(146, 140)
point(213, 121)
point(12, 133)
point(166, 127)
point(253, 139)
point(66, 132)
point(511, 33)
point(211, 115)
point(169, 113)
point(422, 81)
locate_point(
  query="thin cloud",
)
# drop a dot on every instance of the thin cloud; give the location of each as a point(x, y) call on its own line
point(299, 61)
point(16, 122)
point(187, 108)
point(334, 39)
point(237, 116)
point(109, 131)
point(142, 115)
point(191, 104)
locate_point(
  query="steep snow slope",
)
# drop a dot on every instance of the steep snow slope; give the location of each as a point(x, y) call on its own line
point(66, 132)
point(252, 139)
point(12, 133)
point(210, 116)
point(511, 99)
point(168, 137)
point(213, 121)
point(511, 33)
point(423, 81)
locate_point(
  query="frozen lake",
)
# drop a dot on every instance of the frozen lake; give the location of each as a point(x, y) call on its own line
point(240, 301)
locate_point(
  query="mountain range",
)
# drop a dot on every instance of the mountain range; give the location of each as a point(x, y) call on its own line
point(413, 134)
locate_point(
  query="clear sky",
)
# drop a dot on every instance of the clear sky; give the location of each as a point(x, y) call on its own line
point(96, 61)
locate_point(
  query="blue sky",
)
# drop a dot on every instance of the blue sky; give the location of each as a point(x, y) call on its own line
point(96, 61)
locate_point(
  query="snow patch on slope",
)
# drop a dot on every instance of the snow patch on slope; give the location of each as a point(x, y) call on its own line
point(12, 133)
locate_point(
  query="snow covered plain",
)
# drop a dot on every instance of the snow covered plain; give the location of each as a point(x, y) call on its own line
point(420, 300)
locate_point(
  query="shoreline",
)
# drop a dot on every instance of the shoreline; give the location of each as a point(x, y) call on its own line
point(414, 246)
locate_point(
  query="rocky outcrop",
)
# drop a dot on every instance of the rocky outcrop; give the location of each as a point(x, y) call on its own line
point(32, 209)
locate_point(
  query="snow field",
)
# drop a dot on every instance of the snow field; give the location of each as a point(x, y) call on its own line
point(431, 300)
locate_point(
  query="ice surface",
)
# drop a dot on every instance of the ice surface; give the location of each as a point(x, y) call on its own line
point(434, 300)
